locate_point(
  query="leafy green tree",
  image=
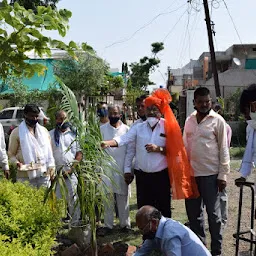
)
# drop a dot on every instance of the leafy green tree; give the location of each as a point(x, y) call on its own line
point(32, 4)
point(89, 75)
point(22, 95)
point(21, 32)
point(132, 94)
point(140, 71)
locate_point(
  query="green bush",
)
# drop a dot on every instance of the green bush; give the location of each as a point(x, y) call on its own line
point(237, 152)
point(28, 227)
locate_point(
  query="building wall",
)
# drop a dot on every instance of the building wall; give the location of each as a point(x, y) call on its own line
point(176, 88)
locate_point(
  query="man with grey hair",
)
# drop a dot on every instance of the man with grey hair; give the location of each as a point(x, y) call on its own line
point(166, 235)
point(65, 152)
point(115, 182)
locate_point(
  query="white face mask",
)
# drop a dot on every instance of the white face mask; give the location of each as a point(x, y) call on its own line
point(152, 121)
point(253, 115)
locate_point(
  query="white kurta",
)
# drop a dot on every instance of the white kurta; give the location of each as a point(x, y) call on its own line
point(65, 153)
point(116, 170)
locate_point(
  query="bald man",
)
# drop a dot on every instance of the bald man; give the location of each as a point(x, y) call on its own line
point(166, 235)
point(65, 151)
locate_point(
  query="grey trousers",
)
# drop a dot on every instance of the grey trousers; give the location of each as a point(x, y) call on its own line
point(73, 209)
point(224, 206)
point(209, 196)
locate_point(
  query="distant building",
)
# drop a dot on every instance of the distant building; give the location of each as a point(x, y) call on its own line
point(182, 78)
point(231, 75)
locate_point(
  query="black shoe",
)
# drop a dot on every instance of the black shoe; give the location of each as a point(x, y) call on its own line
point(103, 231)
point(126, 230)
point(187, 224)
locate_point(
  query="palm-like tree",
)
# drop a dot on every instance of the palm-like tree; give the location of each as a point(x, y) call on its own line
point(91, 191)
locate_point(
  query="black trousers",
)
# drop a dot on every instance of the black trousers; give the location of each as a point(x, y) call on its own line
point(154, 189)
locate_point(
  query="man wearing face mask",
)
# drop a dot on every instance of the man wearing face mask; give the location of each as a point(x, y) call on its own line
point(30, 143)
point(65, 152)
point(205, 138)
point(128, 172)
point(115, 182)
point(160, 153)
point(248, 109)
point(166, 235)
point(102, 113)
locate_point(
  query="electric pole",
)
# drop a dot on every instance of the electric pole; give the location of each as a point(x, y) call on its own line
point(212, 52)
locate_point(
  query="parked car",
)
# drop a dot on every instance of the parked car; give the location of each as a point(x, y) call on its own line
point(13, 116)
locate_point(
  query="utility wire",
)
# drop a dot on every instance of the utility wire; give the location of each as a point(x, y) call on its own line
point(185, 34)
point(173, 27)
point(233, 22)
point(190, 32)
point(238, 35)
point(145, 25)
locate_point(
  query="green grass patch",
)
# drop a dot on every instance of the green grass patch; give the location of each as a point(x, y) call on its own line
point(237, 152)
point(134, 237)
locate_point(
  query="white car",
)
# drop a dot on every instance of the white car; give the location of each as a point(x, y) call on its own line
point(13, 116)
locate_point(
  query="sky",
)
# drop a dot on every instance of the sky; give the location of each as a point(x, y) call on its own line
point(181, 26)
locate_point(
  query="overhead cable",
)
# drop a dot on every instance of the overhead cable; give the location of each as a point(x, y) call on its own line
point(146, 25)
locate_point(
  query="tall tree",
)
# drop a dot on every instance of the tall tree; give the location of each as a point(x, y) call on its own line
point(32, 4)
point(22, 30)
point(88, 75)
point(140, 71)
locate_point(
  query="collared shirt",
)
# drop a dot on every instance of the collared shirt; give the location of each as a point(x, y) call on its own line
point(142, 135)
point(129, 160)
point(174, 239)
point(3, 155)
point(206, 145)
point(65, 153)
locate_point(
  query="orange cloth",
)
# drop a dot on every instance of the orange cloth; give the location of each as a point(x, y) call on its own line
point(180, 172)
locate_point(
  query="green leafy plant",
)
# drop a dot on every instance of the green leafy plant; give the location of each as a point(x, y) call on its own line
point(232, 110)
point(90, 172)
point(32, 4)
point(21, 32)
point(27, 225)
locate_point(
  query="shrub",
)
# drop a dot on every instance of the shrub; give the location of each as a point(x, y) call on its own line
point(27, 225)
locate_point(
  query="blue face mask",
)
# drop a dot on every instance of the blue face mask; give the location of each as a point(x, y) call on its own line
point(102, 112)
point(63, 126)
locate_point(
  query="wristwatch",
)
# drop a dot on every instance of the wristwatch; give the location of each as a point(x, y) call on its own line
point(161, 149)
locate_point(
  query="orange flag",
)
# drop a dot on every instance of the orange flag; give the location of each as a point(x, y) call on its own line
point(180, 171)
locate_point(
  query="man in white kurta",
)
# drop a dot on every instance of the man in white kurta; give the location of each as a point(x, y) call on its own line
point(116, 183)
point(30, 144)
point(65, 152)
point(131, 163)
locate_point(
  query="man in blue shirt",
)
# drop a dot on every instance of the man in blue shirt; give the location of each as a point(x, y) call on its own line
point(167, 235)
